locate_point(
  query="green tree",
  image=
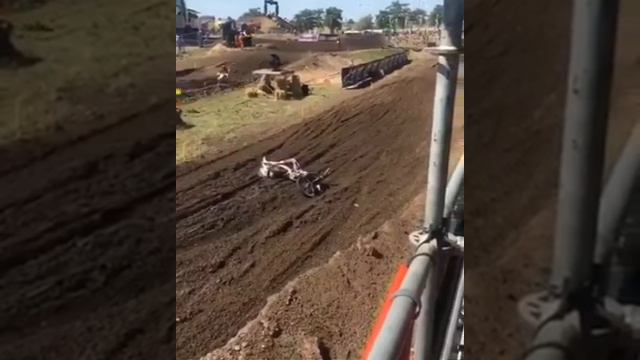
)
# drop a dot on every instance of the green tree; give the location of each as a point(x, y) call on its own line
point(252, 12)
point(333, 18)
point(365, 22)
point(350, 24)
point(418, 16)
point(308, 19)
point(398, 14)
point(435, 17)
point(383, 20)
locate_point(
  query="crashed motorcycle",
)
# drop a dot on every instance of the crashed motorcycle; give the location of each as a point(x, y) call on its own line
point(311, 184)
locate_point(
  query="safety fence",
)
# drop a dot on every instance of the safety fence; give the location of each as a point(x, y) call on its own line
point(363, 74)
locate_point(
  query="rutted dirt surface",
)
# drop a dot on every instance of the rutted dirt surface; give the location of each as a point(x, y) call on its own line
point(74, 282)
point(71, 278)
point(517, 121)
point(312, 318)
point(240, 238)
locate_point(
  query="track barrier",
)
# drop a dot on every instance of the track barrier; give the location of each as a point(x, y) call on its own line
point(362, 74)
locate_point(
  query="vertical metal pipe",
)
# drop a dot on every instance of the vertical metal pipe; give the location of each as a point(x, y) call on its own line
point(616, 196)
point(452, 326)
point(443, 107)
point(461, 350)
point(446, 81)
point(453, 187)
point(425, 324)
point(590, 70)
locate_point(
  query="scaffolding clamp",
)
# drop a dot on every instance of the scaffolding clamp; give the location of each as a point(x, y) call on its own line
point(409, 294)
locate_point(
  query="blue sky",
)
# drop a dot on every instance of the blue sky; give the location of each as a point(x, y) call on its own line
point(351, 8)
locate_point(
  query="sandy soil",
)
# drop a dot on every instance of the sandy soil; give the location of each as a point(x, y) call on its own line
point(86, 161)
point(232, 225)
point(517, 120)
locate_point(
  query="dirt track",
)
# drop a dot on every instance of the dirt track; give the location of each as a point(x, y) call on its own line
point(200, 71)
point(90, 166)
point(516, 119)
point(71, 274)
point(241, 238)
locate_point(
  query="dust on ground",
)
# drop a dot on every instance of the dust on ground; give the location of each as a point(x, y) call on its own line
point(518, 122)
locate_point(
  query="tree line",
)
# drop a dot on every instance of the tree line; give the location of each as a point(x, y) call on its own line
point(395, 16)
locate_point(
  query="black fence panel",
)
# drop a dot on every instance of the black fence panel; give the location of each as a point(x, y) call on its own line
point(361, 74)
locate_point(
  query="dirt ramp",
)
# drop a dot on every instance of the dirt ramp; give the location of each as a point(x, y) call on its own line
point(241, 238)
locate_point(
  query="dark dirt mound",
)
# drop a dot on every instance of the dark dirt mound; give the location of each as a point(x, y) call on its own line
point(91, 167)
point(519, 64)
point(71, 275)
point(240, 238)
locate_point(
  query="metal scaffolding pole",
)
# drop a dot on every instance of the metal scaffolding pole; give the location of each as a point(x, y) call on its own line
point(461, 346)
point(452, 326)
point(424, 323)
point(414, 294)
point(616, 195)
point(590, 69)
point(446, 82)
point(410, 299)
point(406, 303)
point(454, 186)
point(448, 59)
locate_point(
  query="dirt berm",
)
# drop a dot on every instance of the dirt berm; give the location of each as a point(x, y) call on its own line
point(515, 114)
point(241, 238)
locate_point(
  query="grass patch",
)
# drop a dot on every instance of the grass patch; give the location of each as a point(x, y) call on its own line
point(233, 118)
point(363, 56)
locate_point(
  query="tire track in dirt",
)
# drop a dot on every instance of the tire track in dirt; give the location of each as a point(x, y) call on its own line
point(69, 266)
point(267, 232)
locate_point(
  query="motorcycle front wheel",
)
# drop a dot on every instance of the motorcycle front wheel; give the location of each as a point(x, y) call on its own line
point(310, 185)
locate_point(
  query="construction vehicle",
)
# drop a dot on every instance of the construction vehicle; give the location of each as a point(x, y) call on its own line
point(275, 16)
